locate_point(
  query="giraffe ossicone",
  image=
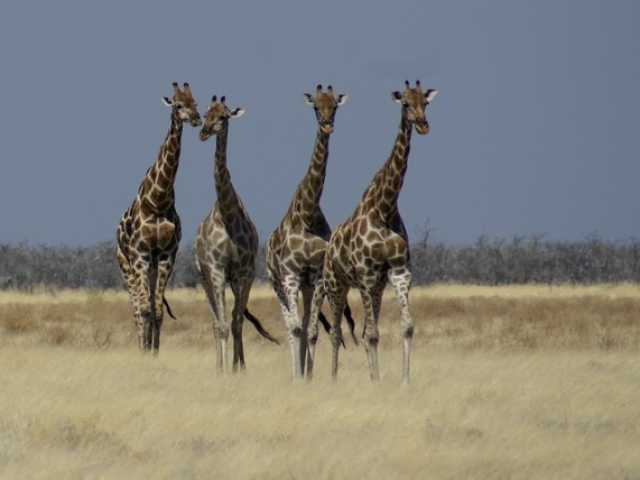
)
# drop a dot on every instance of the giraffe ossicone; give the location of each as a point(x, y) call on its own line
point(371, 247)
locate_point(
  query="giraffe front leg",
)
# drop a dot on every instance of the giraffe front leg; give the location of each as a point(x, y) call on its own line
point(371, 299)
point(312, 329)
point(236, 331)
point(132, 287)
point(401, 281)
point(337, 297)
point(161, 277)
point(308, 340)
point(143, 315)
point(220, 326)
point(241, 298)
point(288, 295)
point(154, 328)
point(214, 290)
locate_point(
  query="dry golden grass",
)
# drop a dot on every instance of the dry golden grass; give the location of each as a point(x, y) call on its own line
point(514, 382)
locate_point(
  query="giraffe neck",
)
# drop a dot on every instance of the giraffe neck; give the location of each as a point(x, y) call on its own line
point(389, 179)
point(310, 189)
point(157, 194)
point(227, 199)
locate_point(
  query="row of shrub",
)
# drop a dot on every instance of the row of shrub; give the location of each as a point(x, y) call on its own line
point(489, 261)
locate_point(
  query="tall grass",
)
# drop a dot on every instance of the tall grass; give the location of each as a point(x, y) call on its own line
point(506, 383)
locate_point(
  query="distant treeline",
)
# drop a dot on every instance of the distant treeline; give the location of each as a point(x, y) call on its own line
point(489, 261)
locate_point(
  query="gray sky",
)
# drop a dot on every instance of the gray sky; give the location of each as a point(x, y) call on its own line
point(534, 129)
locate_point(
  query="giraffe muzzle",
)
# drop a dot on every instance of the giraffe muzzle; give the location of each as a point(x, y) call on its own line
point(327, 127)
point(204, 134)
point(422, 128)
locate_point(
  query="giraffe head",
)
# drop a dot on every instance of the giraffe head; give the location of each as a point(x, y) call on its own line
point(184, 106)
point(325, 105)
point(217, 117)
point(414, 101)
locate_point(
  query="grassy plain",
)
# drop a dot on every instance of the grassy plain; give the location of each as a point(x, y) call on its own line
point(510, 382)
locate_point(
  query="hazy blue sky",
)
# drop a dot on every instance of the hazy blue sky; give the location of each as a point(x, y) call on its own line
point(534, 129)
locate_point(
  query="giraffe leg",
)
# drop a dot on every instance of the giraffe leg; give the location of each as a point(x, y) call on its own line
point(305, 353)
point(401, 281)
point(312, 330)
point(154, 329)
point(337, 297)
point(130, 282)
point(143, 316)
point(284, 304)
point(241, 297)
point(143, 325)
point(286, 289)
point(214, 289)
point(162, 273)
point(288, 295)
point(142, 328)
point(221, 327)
point(131, 272)
point(371, 299)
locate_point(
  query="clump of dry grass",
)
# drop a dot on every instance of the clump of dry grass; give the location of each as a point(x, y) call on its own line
point(17, 319)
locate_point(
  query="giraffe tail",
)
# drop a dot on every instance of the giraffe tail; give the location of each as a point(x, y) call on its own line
point(166, 304)
point(327, 327)
point(256, 323)
point(350, 321)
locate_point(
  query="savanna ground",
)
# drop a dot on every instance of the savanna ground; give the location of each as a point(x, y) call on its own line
point(510, 382)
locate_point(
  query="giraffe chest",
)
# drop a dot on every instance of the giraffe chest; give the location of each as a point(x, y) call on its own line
point(159, 232)
point(224, 246)
point(360, 250)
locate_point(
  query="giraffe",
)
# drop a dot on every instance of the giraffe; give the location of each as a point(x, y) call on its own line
point(371, 248)
point(226, 244)
point(149, 230)
point(295, 249)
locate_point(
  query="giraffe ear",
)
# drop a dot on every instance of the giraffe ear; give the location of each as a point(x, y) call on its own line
point(167, 101)
point(342, 99)
point(430, 94)
point(308, 99)
point(238, 112)
point(397, 96)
